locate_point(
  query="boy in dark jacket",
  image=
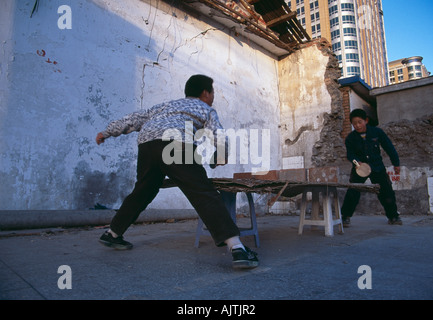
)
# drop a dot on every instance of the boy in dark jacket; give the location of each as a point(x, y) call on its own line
point(363, 145)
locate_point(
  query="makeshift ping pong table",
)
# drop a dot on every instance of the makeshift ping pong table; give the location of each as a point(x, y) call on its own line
point(326, 191)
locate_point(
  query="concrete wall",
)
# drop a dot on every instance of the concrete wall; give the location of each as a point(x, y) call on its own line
point(311, 106)
point(304, 101)
point(356, 102)
point(59, 87)
point(405, 101)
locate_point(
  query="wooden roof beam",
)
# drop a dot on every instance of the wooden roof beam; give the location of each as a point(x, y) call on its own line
point(281, 19)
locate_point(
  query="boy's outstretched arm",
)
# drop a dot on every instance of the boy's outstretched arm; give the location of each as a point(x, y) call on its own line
point(130, 123)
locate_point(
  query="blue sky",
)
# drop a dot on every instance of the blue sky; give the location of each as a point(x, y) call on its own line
point(409, 29)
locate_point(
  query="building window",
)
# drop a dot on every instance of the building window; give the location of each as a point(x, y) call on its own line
point(315, 16)
point(352, 57)
point(400, 71)
point(333, 9)
point(392, 73)
point(413, 60)
point(351, 44)
point(334, 22)
point(336, 47)
point(347, 7)
point(335, 34)
point(353, 71)
point(348, 19)
point(314, 5)
point(300, 11)
point(350, 32)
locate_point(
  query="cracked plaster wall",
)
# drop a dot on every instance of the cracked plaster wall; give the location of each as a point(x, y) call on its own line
point(60, 87)
point(311, 113)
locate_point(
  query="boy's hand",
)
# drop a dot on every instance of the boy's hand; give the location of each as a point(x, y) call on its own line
point(100, 138)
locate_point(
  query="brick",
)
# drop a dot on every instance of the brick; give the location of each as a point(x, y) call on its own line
point(270, 175)
point(323, 174)
point(242, 175)
point(297, 175)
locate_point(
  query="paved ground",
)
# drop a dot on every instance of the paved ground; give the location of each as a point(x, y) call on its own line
point(165, 265)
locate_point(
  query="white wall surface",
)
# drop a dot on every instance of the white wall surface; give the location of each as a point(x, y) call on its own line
point(60, 87)
point(304, 101)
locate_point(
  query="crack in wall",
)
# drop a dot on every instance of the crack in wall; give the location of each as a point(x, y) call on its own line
point(301, 130)
point(172, 52)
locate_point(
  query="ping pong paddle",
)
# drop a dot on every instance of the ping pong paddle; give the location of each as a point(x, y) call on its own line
point(363, 169)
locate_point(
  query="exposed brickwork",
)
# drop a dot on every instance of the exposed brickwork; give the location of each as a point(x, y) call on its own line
point(347, 127)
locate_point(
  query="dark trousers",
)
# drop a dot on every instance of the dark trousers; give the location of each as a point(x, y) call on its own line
point(190, 178)
point(386, 194)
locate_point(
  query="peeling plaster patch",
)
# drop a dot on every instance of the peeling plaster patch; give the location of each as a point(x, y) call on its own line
point(97, 99)
point(91, 186)
point(304, 101)
point(84, 146)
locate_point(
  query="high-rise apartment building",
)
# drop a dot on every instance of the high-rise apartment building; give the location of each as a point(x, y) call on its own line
point(407, 69)
point(355, 28)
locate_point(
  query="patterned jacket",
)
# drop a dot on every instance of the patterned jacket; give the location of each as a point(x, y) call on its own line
point(184, 116)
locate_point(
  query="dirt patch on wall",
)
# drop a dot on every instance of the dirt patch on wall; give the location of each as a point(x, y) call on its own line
point(413, 140)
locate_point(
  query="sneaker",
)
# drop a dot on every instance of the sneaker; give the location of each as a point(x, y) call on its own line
point(346, 222)
point(395, 221)
point(117, 243)
point(244, 259)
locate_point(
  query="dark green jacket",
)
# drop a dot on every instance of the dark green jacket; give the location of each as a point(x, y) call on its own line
point(368, 150)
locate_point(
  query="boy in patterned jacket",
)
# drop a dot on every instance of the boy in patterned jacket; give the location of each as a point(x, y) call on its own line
point(154, 125)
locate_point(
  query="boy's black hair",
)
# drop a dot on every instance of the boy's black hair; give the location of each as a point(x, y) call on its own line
point(196, 84)
point(358, 113)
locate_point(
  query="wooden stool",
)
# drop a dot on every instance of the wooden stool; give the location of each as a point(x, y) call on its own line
point(229, 199)
point(328, 220)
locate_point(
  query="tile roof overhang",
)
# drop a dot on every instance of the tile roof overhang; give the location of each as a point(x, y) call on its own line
point(268, 23)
